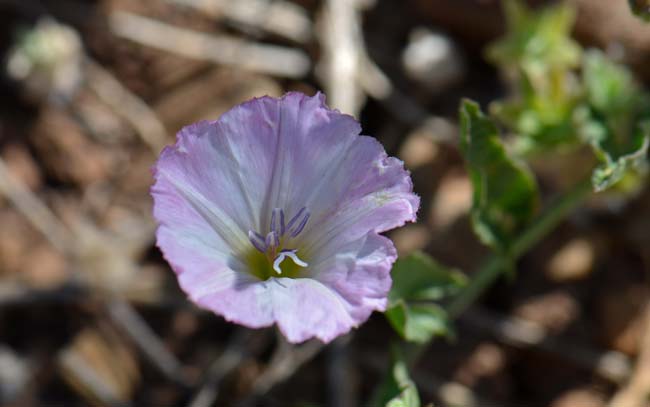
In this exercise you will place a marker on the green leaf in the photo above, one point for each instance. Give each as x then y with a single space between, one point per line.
505 193
538 55
536 41
418 280
541 114
615 120
397 389
418 322
611 172
641 8
419 277
611 88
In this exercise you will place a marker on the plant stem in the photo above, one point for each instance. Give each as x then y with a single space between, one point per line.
541 227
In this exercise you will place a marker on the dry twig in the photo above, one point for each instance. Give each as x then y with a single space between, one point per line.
342 55
127 318
71 245
220 368
270 59
127 105
349 73
286 360
278 17
87 377
34 210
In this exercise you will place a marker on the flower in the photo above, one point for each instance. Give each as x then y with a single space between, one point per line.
272 214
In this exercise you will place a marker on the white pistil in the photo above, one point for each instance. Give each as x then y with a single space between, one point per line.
284 254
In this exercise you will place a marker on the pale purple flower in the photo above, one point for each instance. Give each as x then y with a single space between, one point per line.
272 214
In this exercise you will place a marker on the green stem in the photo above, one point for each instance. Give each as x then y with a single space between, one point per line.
542 226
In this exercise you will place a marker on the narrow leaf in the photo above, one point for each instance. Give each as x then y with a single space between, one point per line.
505 193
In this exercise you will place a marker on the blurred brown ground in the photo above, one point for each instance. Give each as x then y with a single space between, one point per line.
72 307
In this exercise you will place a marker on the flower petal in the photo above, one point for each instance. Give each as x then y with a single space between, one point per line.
225 180
310 140
174 195
349 288
236 296
371 192
360 274
303 308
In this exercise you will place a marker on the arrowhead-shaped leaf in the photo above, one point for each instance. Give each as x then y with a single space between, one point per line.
505 193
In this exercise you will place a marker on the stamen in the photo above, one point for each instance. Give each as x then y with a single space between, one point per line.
281 222
296 217
272 240
277 216
271 244
284 254
257 241
301 226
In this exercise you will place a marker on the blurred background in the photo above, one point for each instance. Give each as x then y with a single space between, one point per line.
90 314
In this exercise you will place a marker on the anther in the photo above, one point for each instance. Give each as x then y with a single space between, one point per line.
296 217
257 241
277 221
301 225
298 222
272 240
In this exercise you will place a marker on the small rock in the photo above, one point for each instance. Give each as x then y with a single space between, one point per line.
432 59
418 150
554 310
579 398
14 375
100 366
486 360
455 394
452 200
574 261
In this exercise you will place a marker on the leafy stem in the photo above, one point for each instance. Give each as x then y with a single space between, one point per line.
536 231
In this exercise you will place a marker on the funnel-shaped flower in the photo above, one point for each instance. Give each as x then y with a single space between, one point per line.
272 214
